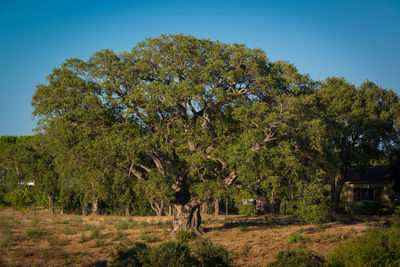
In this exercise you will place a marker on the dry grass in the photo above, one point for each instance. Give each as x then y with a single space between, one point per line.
60 240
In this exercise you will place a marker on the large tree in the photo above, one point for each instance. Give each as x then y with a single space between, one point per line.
169 103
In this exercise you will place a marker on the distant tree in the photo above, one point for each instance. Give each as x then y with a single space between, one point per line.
360 120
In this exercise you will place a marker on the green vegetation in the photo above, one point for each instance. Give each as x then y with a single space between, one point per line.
243 228
211 254
179 122
205 253
298 257
375 248
183 237
296 238
36 234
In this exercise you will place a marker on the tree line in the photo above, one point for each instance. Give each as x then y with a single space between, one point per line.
180 121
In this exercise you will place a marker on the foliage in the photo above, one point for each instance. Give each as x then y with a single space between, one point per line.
211 254
135 256
297 257
243 228
361 124
19 199
375 248
205 253
371 208
183 237
312 205
295 238
171 254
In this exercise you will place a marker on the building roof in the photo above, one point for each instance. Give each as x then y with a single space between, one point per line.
376 174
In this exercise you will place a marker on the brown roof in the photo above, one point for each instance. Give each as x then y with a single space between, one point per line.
380 174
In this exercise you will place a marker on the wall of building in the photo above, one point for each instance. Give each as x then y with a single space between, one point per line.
385 190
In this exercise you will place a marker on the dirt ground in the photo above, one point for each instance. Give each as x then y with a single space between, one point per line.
42 239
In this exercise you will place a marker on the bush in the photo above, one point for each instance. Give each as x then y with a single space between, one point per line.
183 236
297 257
171 254
19 199
136 256
376 248
98 264
243 228
295 238
210 254
371 208
312 206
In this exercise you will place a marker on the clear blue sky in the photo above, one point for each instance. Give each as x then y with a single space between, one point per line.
358 40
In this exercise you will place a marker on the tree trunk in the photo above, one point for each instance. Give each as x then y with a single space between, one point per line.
127 211
51 204
336 190
187 217
95 207
216 207
85 210
169 210
157 208
226 207
204 208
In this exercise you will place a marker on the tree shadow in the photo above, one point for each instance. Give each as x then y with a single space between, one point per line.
256 222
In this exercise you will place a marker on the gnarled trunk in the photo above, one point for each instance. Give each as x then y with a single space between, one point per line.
187 217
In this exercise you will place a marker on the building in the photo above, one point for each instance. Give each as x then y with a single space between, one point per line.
370 184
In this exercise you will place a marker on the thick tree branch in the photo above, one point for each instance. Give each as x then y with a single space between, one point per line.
135 172
158 163
230 179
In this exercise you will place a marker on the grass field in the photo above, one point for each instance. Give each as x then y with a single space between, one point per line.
43 239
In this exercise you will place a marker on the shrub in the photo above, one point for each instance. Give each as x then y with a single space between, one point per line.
376 248
35 234
136 256
243 228
183 236
295 238
312 206
210 254
19 199
297 257
35 221
98 264
171 254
